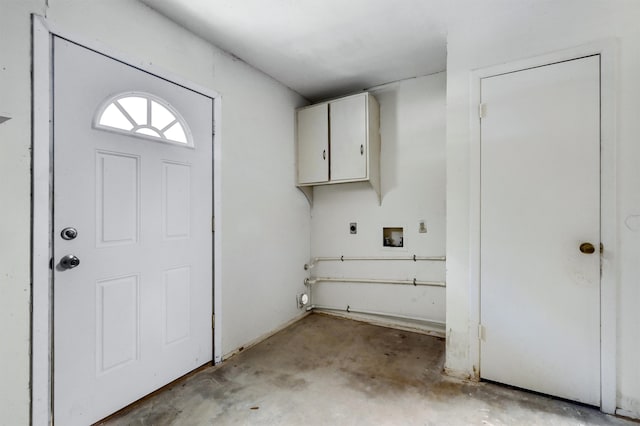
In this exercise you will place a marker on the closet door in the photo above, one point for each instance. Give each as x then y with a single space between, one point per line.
540 229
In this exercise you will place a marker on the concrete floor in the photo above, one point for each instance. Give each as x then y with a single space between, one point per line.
330 371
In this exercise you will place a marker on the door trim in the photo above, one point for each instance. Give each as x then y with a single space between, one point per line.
43 30
608 51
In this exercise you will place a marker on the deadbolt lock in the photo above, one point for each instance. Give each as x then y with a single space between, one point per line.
69 233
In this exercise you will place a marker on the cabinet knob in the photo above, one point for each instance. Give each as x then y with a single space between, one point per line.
361 149
587 248
324 154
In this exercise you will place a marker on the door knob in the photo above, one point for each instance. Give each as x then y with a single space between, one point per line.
69 261
587 248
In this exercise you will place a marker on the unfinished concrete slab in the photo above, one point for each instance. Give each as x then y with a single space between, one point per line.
325 370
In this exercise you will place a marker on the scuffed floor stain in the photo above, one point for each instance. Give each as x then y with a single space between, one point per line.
331 371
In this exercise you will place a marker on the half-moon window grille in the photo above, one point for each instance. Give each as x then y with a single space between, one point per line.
143 115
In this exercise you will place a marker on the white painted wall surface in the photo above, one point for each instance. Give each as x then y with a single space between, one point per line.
15 208
265 232
412 127
501 31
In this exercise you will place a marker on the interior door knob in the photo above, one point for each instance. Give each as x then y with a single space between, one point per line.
69 261
587 248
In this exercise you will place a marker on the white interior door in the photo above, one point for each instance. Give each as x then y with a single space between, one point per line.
540 201
136 185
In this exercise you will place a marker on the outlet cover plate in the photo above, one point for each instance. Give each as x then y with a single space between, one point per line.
353 228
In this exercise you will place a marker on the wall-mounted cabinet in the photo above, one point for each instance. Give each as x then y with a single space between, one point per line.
339 141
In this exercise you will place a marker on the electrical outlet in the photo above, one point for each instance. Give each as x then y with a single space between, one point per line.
353 228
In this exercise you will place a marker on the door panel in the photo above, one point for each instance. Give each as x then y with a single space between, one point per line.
348 138
117 198
540 200
313 144
135 314
176 202
117 322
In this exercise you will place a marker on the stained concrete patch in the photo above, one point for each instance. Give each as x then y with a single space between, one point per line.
331 371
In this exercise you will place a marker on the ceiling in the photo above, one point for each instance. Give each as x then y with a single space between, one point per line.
322 48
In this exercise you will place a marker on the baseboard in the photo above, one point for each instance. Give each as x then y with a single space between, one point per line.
621 412
424 328
262 337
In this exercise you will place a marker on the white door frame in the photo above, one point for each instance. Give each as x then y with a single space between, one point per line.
42 185
608 51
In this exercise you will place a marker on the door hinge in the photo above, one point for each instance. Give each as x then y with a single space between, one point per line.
213 224
482 110
213 321
481 332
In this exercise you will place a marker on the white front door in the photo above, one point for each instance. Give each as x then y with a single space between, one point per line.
133 178
540 203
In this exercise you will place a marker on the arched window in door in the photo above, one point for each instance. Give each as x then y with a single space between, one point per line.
143 115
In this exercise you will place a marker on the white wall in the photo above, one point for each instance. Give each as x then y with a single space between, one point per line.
499 31
15 210
412 127
265 219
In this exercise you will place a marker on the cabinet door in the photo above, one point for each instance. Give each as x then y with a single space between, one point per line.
313 144
348 118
